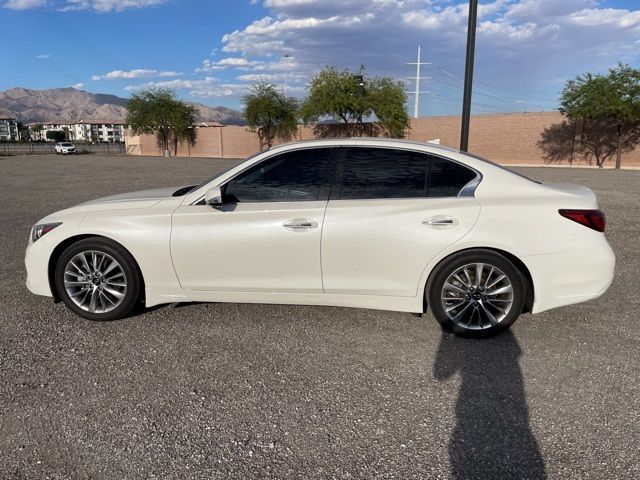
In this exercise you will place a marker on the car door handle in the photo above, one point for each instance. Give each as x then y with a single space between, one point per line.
441 221
300 224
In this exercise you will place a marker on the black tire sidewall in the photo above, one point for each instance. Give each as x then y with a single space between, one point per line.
447 266
126 261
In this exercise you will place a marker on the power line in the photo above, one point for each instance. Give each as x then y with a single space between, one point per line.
511 101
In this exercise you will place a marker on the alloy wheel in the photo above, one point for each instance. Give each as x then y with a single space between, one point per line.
477 296
95 281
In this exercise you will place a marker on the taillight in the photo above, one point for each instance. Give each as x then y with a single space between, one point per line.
589 218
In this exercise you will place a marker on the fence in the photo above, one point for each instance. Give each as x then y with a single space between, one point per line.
38 148
511 139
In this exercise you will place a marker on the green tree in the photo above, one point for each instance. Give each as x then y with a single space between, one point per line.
157 111
56 135
23 132
270 114
612 101
37 130
183 130
349 98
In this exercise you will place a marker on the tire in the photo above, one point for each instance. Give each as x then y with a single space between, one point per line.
471 308
106 285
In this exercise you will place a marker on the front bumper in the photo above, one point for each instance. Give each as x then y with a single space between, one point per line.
36 261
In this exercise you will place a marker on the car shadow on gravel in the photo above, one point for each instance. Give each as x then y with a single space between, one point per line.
492 438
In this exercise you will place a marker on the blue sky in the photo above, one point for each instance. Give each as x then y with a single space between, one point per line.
210 50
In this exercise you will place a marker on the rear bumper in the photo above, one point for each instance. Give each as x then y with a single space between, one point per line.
583 272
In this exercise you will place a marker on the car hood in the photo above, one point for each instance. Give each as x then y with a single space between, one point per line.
123 201
143 197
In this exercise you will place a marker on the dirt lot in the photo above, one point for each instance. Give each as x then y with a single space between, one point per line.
260 391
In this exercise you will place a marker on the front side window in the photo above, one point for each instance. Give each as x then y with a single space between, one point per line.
371 173
289 177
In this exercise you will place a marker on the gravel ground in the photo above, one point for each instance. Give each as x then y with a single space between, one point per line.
268 391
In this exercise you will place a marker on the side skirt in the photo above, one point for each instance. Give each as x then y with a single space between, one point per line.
400 304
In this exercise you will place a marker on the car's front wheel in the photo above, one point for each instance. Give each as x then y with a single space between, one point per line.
98 279
476 293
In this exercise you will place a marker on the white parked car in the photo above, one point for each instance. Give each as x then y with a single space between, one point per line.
382 224
65 148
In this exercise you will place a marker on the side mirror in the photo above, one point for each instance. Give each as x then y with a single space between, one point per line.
213 197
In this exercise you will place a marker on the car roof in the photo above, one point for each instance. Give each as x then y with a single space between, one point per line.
471 160
367 141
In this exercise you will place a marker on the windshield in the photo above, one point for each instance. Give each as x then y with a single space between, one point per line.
67 144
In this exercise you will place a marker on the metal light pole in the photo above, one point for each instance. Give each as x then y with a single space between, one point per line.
286 68
468 75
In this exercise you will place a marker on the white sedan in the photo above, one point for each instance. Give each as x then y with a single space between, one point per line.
65 148
382 224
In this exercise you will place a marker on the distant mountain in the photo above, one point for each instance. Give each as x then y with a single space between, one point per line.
70 105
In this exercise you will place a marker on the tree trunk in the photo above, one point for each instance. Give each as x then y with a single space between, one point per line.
619 148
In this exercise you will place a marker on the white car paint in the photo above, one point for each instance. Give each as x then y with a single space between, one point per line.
65 148
360 253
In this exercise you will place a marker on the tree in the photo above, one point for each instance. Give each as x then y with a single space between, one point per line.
24 133
350 97
182 120
594 140
270 114
37 129
610 102
157 111
56 135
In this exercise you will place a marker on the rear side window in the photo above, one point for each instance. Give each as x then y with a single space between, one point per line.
446 178
387 173
289 177
383 173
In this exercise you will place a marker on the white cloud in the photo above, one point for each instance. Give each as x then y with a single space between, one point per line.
105 6
43 56
24 4
208 87
78 86
520 43
226 63
615 18
136 73
100 6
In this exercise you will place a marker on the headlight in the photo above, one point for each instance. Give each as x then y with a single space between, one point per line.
39 230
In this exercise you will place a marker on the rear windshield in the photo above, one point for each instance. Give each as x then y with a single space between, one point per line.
501 167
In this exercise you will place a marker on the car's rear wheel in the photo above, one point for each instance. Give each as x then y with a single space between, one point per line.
476 293
98 279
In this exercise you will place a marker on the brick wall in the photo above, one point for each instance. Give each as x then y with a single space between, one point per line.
505 138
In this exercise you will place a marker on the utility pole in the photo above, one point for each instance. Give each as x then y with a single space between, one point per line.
468 75
416 100
286 67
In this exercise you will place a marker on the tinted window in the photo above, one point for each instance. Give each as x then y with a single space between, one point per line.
383 173
446 178
388 173
289 177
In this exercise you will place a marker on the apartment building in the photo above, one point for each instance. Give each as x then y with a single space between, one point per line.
111 132
85 130
38 131
9 129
